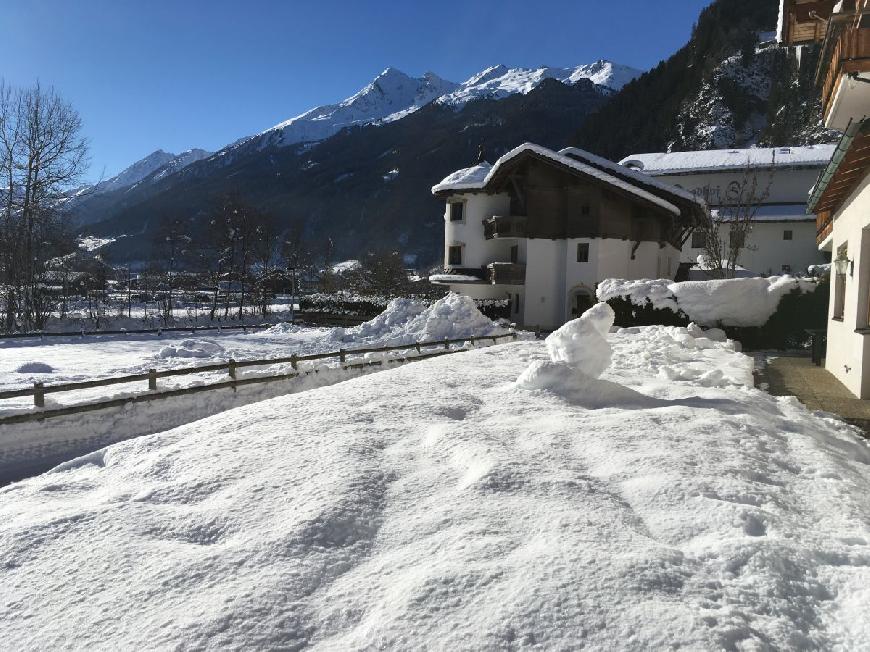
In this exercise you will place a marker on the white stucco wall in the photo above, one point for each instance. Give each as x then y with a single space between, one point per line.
848 356
767 251
553 273
476 249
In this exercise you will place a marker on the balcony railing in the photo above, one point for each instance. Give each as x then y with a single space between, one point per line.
504 226
506 273
824 225
848 51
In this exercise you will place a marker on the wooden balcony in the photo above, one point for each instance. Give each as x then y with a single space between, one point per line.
505 226
846 51
824 225
506 273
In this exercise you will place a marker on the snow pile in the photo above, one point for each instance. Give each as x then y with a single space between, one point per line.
730 302
34 368
406 321
447 509
190 349
579 354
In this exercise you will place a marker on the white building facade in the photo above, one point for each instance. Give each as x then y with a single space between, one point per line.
543 228
782 238
841 196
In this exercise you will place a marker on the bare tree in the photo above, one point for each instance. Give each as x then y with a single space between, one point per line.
42 153
727 231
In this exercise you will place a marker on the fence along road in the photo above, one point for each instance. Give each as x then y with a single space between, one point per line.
39 390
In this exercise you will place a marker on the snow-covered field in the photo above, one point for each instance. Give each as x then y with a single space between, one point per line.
58 360
445 505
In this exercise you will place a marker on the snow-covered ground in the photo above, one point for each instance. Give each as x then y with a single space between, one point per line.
72 359
444 505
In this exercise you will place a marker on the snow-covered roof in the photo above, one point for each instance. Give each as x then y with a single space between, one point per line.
451 183
728 159
465 179
622 171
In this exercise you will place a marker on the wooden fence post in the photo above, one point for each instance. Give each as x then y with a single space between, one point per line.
341 355
231 367
294 362
417 345
514 334
447 343
39 395
472 341
152 379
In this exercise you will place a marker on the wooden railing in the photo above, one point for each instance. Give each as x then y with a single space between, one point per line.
506 273
504 226
824 225
850 53
231 367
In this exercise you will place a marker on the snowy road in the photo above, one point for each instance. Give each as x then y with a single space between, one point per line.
440 505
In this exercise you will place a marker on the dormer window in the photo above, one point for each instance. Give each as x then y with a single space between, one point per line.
457 211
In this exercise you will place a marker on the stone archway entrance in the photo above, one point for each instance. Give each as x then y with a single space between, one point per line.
580 299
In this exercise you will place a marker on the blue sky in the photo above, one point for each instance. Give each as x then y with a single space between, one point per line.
176 74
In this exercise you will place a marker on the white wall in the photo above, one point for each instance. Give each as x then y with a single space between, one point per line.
848 356
476 249
766 251
787 185
553 273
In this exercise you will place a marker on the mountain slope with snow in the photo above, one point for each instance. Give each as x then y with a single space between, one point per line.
391 92
500 81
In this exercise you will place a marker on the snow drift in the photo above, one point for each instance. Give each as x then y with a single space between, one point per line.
406 321
731 302
447 508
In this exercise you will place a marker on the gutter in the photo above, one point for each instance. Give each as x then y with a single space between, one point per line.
833 166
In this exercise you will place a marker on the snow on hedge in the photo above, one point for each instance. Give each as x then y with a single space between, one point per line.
730 302
438 505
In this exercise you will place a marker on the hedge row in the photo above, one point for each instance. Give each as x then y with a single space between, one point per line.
786 329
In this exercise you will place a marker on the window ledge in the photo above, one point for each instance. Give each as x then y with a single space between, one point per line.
863 330
839 319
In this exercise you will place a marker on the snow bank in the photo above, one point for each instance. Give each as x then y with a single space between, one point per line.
731 302
406 321
448 509
34 368
190 349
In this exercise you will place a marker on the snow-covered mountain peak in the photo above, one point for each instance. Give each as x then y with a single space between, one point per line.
497 82
389 95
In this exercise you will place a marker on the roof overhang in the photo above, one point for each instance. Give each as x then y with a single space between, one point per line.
849 165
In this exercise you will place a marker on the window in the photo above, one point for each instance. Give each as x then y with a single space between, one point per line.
454 255
457 211
516 304
840 285
787 235
515 254
737 239
582 252
698 240
786 269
